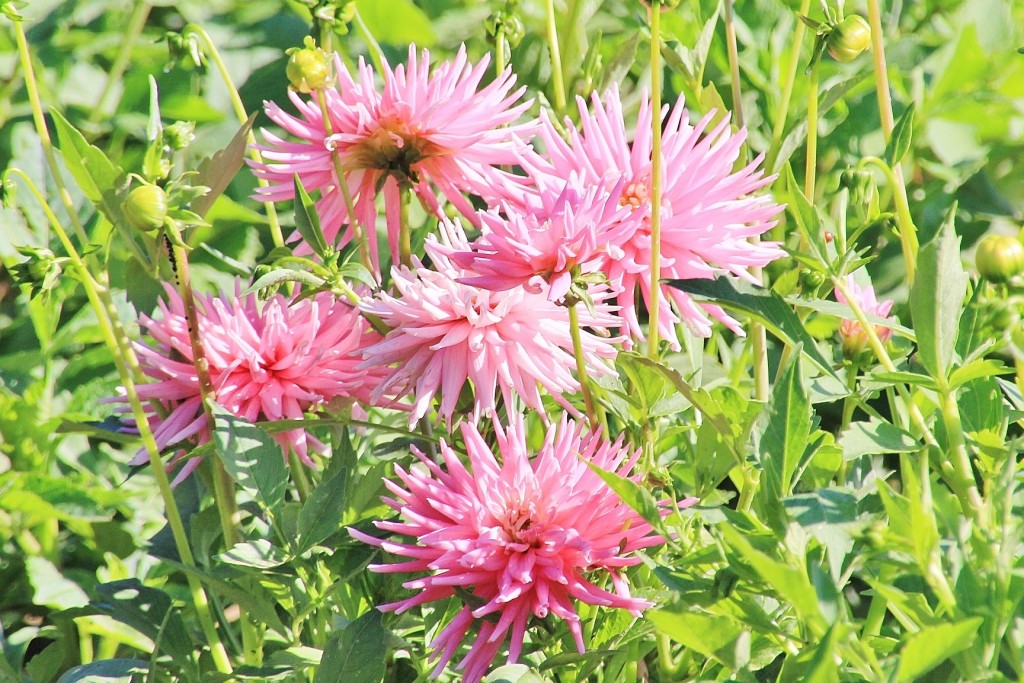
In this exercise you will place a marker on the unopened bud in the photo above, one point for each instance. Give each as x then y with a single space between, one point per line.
849 38
308 67
999 258
146 207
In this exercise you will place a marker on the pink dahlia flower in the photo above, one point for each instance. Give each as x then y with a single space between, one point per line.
852 333
566 228
522 538
422 130
269 361
447 332
708 211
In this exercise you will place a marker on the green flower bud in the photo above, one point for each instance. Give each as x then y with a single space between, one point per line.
308 67
146 207
999 258
849 38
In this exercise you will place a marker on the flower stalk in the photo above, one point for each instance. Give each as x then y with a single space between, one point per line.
654 305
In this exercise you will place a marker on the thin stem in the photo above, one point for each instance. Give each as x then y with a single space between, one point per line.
339 172
298 472
556 58
242 116
758 335
787 89
581 366
376 53
124 55
32 89
811 164
734 63
654 304
961 475
908 234
905 221
121 353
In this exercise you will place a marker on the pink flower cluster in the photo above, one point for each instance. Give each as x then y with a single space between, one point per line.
524 538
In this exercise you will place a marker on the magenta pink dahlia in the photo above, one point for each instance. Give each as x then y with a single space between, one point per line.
421 130
524 538
708 211
268 361
447 332
563 229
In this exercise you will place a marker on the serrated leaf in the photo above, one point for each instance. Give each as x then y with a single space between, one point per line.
307 220
107 671
357 654
715 636
217 171
936 300
765 306
321 514
924 650
259 554
876 437
251 457
97 177
633 495
902 136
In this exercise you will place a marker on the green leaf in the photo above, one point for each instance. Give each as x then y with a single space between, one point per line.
321 514
513 673
806 216
979 368
252 458
902 135
924 650
51 588
107 671
398 22
936 300
216 172
97 177
260 554
719 637
357 654
633 495
766 307
282 275
787 428
150 612
307 221
876 437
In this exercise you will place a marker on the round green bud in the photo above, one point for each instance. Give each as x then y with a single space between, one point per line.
999 258
146 207
849 38
308 67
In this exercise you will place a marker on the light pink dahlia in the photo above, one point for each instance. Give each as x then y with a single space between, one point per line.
708 211
524 538
268 361
852 333
563 228
424 130
447 332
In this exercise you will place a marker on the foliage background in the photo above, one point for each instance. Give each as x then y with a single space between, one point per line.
758 595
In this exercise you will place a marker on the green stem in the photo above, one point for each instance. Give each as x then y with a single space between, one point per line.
654 304
242 116
350 209
556 58
960 474
124 55
908 235
787 89
905 221
811 165
31 86
376 53
758 335
298 472
500 45
581 366
121 353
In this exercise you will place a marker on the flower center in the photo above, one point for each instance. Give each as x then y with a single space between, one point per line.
393 149
635 195
518 521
